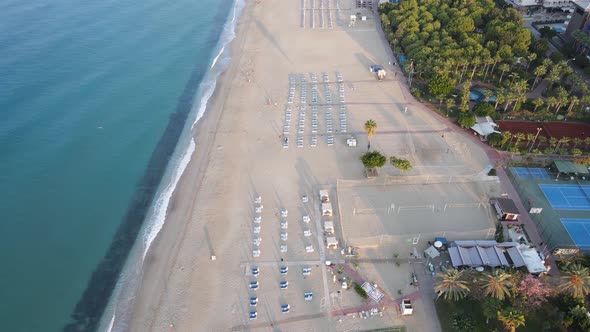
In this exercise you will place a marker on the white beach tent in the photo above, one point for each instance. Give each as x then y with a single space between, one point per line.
331 242
326 209
329 226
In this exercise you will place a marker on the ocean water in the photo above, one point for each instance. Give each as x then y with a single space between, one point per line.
93 99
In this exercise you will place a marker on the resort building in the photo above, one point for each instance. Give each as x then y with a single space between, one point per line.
505 209
479 254
484 126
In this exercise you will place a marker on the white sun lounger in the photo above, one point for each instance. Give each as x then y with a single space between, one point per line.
283 248
309 248
257 219
256 253
256 229
259 208
306 271
284 213
307 233
284 236
306 219
284 225
257 241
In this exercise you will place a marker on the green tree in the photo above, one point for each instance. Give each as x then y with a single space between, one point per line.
561 96
483 108
575 280
503 68
519 138
497 284
547 32
373 159
440 86
462 323
577 317
495 139
500 97
466 120
464 106
511 319
450 102
540 70
403 165
370 128
537 102
451 285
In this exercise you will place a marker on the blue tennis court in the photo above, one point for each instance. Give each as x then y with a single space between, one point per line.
567 196
530 173
579 231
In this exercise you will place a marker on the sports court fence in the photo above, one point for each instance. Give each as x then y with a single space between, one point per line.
548 222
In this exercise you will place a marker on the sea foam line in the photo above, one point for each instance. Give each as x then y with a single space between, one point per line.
157 215
206 88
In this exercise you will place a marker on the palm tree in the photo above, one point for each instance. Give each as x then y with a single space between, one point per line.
539 71
487 93
450 102
514 76
500 97
519 137
562 96
562 141
506 137
370 128
531 57
553 142
537 102
541 141
511 319
497 284
575 279
503 68
551 101
530 137
451 285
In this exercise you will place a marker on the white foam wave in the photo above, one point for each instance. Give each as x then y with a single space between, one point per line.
111 324
157 215
206 90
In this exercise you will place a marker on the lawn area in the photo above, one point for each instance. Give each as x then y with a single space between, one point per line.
470 308
535 321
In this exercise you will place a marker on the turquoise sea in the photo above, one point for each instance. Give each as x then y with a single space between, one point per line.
94 96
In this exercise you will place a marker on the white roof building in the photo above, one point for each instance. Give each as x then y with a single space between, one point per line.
494 254
485 125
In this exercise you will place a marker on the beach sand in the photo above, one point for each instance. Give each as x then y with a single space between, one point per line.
239 155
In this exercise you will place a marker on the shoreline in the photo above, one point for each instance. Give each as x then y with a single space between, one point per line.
160 257
240 155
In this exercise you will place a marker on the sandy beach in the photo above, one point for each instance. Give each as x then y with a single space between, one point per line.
240 155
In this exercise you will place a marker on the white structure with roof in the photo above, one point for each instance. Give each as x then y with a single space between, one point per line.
485 125
494 254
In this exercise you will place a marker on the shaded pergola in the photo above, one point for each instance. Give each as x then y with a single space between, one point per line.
570 168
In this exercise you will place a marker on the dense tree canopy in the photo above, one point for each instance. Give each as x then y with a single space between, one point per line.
373 159
443 37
